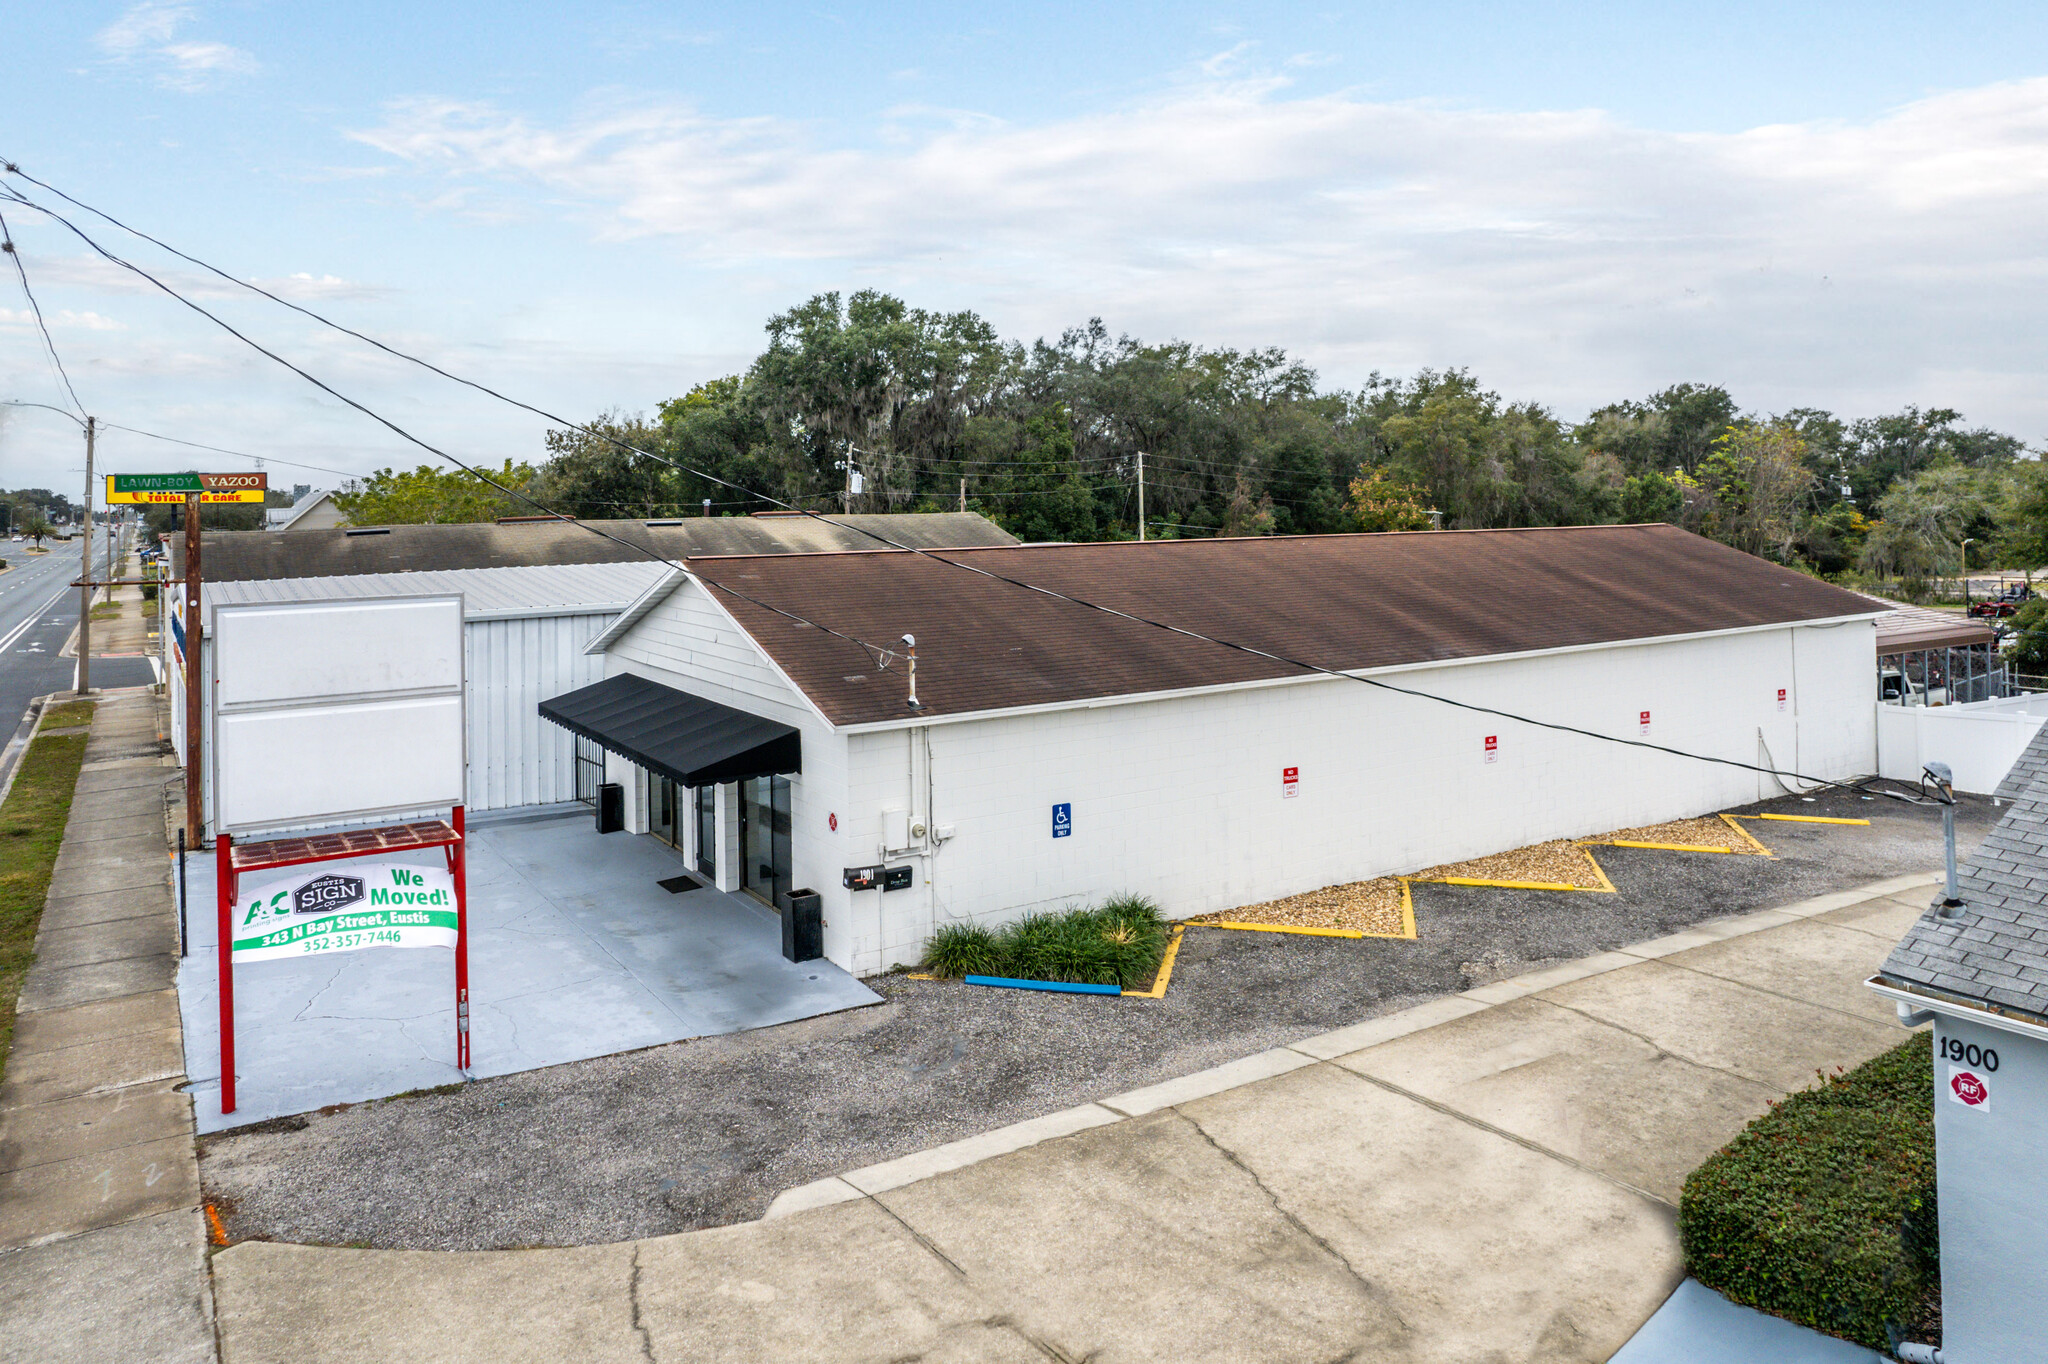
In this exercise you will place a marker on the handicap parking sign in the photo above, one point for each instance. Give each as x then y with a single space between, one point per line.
1062 821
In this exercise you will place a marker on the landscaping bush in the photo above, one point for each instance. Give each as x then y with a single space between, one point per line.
963 950
1117 943
1823 1210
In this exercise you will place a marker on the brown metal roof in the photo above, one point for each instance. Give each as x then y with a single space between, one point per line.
1916 627
262 555
1340 601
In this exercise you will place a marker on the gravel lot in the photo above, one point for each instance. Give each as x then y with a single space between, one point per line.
706 1132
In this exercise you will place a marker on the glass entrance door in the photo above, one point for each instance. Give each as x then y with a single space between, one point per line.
705 798
765 838
661 809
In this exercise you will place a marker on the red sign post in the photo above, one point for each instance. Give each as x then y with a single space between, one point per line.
231 861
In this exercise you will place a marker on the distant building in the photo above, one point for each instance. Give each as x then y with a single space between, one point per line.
308 511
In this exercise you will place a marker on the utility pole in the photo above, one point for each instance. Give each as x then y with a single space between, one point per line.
195 820
85 578
1141 497
963 494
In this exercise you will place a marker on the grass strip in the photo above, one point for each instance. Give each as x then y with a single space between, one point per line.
1823 1210
67 714
1117 943
31 830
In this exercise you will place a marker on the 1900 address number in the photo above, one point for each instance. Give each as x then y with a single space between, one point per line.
1973 1056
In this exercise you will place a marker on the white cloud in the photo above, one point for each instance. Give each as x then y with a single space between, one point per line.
66 318
303 284
144 34
1566 255
142 26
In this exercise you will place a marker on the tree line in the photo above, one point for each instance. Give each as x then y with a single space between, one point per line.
867 404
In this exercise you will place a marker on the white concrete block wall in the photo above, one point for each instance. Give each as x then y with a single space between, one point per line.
1181 798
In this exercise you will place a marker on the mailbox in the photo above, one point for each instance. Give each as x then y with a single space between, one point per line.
896 878
861 878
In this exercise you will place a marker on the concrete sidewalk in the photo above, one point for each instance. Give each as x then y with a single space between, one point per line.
1490 1176
102 1251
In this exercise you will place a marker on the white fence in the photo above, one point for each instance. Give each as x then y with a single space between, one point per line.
1979 741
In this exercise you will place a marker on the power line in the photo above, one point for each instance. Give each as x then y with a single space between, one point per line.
238 454
7 245
880 654
1084 603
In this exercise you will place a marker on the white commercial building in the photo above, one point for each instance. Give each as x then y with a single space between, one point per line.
535 594
757 712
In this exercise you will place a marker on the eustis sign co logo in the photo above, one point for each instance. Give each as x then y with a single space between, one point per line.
323 894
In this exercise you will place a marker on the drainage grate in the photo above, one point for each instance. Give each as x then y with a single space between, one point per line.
676 885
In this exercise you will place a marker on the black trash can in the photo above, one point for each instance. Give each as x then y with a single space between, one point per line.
803 926
611 807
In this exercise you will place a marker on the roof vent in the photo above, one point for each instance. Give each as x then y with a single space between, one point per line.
676 522
367 530
766 515
522 520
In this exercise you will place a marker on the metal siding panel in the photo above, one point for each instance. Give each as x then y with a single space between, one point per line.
517 757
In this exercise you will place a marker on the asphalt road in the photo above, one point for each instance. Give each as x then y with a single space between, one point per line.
707 1132
38 611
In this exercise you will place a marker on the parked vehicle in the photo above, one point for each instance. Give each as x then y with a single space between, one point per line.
2005 603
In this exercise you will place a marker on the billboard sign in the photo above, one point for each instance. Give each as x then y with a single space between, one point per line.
331 712
380 905
132 489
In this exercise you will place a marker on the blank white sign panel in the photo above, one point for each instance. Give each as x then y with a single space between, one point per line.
287 652
308 764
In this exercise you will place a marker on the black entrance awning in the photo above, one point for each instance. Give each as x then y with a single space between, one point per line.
694 741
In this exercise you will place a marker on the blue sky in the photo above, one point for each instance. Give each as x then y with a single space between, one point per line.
1831 206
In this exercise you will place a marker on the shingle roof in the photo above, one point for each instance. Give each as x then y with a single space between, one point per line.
1996 954
2028 768
1339 601
254 556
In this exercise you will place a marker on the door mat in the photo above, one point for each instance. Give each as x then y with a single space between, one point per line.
676 885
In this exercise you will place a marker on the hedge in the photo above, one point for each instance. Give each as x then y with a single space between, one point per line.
1118 943
1823 1210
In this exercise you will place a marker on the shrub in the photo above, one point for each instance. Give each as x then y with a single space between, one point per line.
1118 943
962 950
1823 1210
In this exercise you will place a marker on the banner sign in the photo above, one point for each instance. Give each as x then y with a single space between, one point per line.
152 488
375 905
